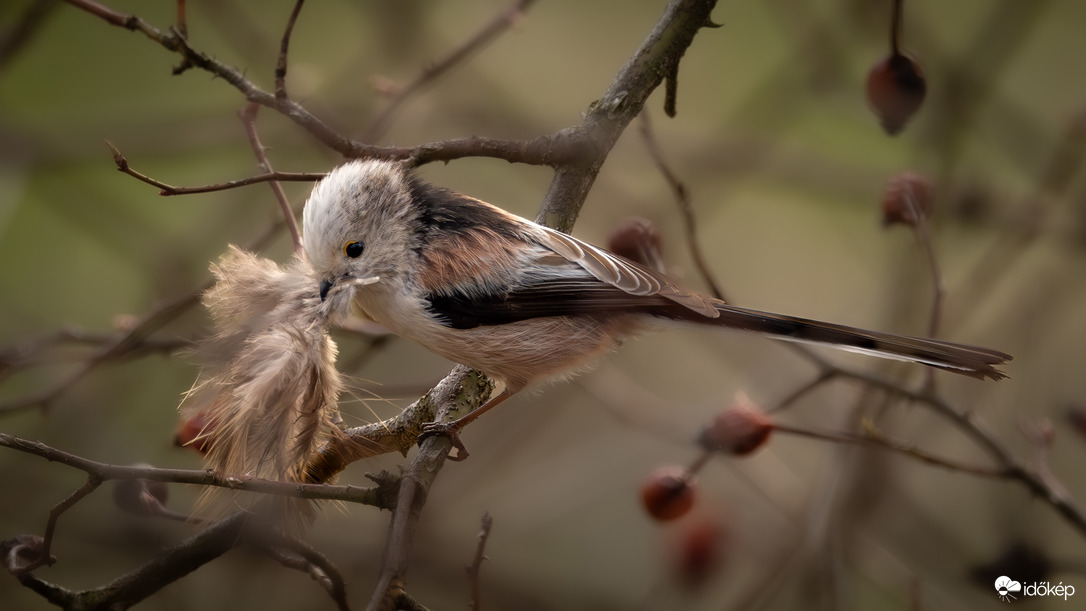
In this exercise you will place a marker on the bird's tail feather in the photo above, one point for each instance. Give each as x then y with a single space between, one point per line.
972 361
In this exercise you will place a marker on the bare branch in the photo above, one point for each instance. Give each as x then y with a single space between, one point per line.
46 558
298 555
204 477
459 393
487 34
682 199
877 439
15 37
923 235
564 146
248 118
477 562
165 189
167 567
623 100
132 339
284 45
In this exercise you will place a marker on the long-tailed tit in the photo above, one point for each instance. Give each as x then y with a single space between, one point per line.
518 301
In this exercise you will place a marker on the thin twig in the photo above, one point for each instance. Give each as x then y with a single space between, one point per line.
973 428
298 555
182 19
127 341
166 190
623 100
182 29
475 568
502 22
284 45
248 119
121 344
895 27
671 91
14 38
874 438
824 376
46 558
459 393
923 235
686 209
561 147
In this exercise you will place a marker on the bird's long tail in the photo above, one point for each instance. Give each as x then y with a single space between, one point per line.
972 361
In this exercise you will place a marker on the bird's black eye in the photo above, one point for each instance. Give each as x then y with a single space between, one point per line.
353 249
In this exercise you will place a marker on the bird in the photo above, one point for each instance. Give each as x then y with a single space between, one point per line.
521 302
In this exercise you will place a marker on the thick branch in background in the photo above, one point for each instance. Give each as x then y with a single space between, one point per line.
608 117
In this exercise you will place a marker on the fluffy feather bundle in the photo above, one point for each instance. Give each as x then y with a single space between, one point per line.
268 385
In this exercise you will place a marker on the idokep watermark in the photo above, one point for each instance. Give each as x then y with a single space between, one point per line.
1007 588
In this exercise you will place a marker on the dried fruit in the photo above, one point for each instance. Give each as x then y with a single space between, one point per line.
1076 417
140 497
637 239
698 547
907 195
194 433
668 493
738 430
895 90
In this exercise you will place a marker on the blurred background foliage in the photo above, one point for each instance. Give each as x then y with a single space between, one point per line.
785 166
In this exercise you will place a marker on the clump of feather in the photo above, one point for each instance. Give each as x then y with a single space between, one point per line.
268 385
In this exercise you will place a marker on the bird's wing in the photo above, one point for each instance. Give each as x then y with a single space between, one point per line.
623 274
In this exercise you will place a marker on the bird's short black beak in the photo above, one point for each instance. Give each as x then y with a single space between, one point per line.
326 285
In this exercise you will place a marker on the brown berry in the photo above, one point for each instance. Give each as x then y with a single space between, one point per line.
637 239
668 493
140 497
699 544
895 90
907 195
738 430
1076 417
194 433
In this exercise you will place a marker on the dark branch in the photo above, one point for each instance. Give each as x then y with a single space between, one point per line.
248 119
623 100
203 477
682 199
284 46
475 568
165 189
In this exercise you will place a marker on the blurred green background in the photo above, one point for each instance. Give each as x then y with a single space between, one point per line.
785 166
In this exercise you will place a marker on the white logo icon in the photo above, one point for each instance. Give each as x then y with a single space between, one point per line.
1005 586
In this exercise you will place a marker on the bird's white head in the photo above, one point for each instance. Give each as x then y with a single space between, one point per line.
356 227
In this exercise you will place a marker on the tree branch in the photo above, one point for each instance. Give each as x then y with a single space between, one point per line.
489 32
202 477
